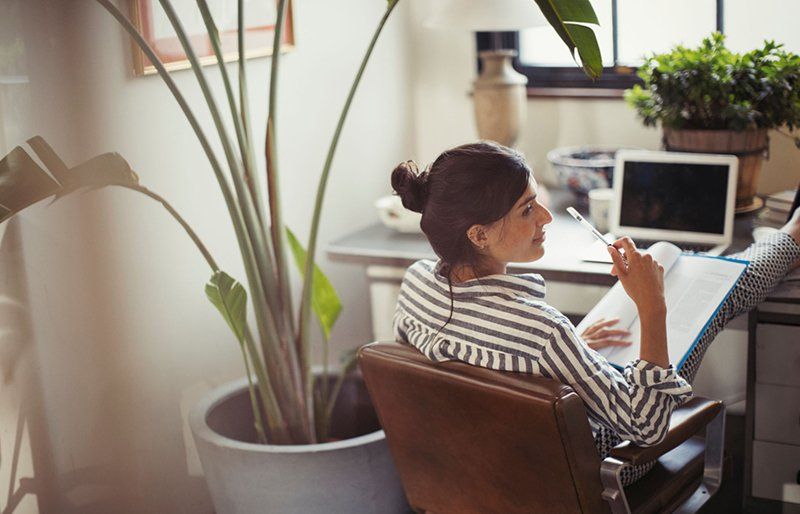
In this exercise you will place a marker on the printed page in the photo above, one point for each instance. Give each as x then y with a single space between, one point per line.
694 287
617 304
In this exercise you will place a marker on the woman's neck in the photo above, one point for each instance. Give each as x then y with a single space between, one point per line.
464 272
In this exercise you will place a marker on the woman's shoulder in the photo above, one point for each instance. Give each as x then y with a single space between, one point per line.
426 265
422 269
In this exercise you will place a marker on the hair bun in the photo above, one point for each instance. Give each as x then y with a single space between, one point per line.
410 185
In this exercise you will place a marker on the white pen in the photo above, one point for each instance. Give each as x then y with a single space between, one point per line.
575 214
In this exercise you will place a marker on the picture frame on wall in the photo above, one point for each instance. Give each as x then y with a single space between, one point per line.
260 17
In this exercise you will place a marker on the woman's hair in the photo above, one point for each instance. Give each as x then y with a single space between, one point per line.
476 183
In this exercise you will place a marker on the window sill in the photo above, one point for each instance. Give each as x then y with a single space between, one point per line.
575 92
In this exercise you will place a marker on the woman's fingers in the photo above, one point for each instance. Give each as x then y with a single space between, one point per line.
602 323
620 268
591 329
605 332
605 343
625 243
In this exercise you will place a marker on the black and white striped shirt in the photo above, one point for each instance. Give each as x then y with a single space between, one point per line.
502 322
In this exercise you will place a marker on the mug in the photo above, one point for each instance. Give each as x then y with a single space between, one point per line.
600 207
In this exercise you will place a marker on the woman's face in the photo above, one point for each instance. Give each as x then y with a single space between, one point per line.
519 236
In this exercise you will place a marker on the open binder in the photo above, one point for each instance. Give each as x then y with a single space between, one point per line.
695 286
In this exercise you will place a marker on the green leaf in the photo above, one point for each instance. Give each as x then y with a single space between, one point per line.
23 182
324 300
569 18
107 169
230 299
49 158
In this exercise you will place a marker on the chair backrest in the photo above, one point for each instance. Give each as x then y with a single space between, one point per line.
472 440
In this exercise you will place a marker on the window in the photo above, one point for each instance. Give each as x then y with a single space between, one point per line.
630 29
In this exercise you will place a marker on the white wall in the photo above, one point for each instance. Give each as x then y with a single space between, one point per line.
118 336
445 68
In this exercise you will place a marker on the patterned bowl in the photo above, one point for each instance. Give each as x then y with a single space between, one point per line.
583 168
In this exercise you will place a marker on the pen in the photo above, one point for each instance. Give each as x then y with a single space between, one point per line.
575 214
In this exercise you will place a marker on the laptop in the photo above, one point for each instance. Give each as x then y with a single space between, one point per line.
685 198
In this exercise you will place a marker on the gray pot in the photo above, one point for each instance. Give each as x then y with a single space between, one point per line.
350 476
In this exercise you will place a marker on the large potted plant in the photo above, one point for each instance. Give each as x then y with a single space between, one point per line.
709 99
267 443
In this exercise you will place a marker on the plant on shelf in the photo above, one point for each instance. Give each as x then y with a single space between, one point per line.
711 99
287 406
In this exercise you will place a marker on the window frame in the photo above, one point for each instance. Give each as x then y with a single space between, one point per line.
570 81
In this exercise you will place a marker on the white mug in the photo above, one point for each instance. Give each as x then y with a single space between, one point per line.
600 207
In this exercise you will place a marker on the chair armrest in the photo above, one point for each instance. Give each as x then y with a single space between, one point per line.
686 421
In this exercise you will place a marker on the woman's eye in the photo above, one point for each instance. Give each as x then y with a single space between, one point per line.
527 210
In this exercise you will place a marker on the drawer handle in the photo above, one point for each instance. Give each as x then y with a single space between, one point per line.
797 478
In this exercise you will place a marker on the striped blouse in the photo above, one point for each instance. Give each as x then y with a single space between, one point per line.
502 322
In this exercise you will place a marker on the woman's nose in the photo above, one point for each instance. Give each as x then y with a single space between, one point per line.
546 216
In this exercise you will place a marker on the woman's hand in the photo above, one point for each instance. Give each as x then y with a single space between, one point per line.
643 280
599 334
640 274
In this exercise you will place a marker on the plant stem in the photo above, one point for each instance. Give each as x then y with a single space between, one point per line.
200 246
298 364
260 304
258 422
271 312
244 143
308 274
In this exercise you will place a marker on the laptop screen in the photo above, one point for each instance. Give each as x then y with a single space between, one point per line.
674 196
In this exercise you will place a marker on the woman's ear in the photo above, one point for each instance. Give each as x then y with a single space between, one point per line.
478 236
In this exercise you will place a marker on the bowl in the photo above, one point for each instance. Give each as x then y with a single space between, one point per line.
394 215
583 168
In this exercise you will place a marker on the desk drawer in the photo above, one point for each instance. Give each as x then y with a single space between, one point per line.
775 471
778 414
778 354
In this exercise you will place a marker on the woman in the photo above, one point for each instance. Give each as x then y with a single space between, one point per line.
480 211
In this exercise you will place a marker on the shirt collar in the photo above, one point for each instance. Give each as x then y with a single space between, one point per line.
525 285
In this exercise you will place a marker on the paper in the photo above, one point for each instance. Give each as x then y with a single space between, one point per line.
596 252
694 288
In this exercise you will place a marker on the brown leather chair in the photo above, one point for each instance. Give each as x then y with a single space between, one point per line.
472 440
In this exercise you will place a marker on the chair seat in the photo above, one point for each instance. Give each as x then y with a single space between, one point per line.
673 479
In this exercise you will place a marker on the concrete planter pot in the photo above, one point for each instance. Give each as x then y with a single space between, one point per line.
350 476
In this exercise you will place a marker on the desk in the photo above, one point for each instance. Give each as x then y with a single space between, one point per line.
772 421
573 286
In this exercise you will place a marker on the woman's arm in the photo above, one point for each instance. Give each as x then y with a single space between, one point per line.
636 403
642 277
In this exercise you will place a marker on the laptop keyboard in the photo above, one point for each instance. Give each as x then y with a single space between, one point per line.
686 247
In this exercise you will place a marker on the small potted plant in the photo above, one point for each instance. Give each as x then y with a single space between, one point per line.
709 99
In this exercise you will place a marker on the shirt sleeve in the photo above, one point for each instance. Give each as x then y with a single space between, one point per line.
636 403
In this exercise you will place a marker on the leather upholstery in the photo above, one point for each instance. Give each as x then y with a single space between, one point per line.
671 481
472 440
